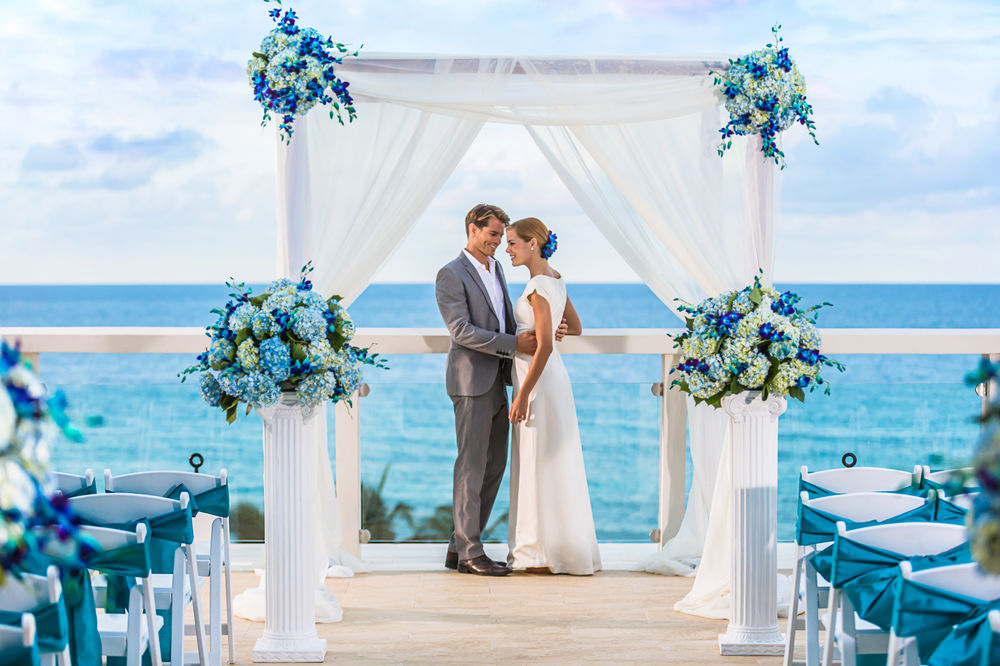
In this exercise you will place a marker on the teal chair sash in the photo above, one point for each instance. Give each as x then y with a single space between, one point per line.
214 501
818 491
866 575
52 627
951 628
78 598
167 532
20 656
85 490
814 526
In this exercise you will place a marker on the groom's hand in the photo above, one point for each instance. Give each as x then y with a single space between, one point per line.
526 343
562 330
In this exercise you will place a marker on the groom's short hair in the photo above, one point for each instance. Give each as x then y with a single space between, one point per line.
481 214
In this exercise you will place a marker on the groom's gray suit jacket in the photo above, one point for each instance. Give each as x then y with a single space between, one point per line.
479 349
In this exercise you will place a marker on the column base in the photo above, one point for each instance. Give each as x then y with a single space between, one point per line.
752 641
289 650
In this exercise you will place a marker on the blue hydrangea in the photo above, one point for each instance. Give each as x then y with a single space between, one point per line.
755 372
279 285
259 389
717 368
316 388
808 335
281 301
210 389
742 303
229 380
703 386
782 350
263 325
309 324
312 299
220 353
247 355
276 359
321 354
242 316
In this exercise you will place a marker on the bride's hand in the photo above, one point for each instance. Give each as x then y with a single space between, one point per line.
519 409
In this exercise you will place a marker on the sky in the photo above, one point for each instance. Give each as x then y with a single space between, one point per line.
132 150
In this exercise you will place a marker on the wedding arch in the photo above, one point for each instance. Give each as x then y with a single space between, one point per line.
633 139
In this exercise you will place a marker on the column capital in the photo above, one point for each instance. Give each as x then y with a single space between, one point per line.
750 404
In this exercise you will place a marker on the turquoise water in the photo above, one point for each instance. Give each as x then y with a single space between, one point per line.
888 410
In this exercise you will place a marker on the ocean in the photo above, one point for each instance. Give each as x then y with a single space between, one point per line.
888 410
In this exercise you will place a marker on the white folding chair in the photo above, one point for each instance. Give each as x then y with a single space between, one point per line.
14 640
841 480
855 507
71 485
848 632
944 476
173 590
129 634
212 534
965 579
27 594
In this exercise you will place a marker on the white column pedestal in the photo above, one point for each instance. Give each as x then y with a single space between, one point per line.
289 537
753 625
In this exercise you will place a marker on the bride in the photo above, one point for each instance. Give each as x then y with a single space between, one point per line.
551 527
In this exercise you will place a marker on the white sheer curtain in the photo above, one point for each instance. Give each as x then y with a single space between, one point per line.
632 138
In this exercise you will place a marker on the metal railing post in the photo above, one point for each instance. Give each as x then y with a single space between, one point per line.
673 453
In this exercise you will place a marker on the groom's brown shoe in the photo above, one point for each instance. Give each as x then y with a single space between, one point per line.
482 566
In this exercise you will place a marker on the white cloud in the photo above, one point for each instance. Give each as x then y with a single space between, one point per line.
904 104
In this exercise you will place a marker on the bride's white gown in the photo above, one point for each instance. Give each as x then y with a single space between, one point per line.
551 524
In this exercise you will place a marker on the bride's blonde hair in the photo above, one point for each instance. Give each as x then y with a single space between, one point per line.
532 228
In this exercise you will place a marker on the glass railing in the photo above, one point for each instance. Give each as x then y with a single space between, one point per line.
892 411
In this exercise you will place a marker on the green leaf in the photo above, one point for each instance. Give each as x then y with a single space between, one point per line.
756 296
258 300
231 414
243 335
298 351
797 393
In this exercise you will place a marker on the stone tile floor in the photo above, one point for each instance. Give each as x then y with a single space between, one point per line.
442 617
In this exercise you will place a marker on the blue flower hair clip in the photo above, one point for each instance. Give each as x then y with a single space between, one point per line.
550 246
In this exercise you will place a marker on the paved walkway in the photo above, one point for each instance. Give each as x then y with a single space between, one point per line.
421 617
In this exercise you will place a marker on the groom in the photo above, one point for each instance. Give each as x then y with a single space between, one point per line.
472 296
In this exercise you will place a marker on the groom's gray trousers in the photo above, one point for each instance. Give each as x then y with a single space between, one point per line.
481 425
479 362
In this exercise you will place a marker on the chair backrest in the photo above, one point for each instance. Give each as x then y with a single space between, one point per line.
864 506
860 479
908 539
943 476
30 591
22 636
995 621
110 538
964 500
124 507
161 482
67 483
965 579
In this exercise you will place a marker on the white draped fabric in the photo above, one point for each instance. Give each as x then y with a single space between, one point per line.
633 139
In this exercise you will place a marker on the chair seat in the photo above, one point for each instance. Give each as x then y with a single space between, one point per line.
162 589
113 628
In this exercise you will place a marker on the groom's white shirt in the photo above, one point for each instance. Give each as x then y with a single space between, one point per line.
491 280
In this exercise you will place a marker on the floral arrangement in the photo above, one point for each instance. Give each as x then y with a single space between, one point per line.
294 68
551 243
754 339
32 520
287 338
765 94
984 518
